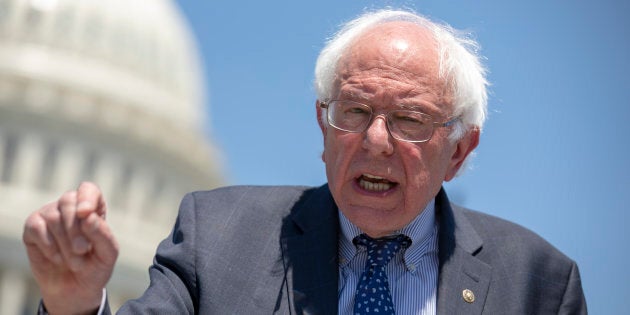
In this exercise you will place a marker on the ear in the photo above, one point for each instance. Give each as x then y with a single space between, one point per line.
322 126
321 123
463 148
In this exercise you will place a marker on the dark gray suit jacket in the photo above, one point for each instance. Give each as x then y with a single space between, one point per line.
263 250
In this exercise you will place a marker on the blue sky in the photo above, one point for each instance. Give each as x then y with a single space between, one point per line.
554 153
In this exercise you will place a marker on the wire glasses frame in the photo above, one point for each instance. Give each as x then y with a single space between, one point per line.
402 124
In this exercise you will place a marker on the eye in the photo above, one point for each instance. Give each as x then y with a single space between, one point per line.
356 110
411 119
408 118
353 109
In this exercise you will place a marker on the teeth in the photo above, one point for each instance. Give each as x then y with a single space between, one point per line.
382 185
373 176
374 186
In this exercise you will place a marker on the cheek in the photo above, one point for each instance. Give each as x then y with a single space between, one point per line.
422 168
413 157
329 145
417 176
423 178
338 154
337 145
333 155
330 149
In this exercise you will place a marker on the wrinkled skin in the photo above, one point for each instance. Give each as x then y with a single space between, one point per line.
390 65
71 250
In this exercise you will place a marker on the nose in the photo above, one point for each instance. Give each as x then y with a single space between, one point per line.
377 139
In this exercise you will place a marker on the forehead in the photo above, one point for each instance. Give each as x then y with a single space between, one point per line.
402 45
394 60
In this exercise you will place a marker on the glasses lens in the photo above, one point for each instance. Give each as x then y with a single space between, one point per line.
403 125
410 125
349 116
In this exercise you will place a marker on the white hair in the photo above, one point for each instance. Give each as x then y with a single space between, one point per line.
460 64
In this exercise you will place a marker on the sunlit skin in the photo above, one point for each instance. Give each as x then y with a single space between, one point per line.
392 65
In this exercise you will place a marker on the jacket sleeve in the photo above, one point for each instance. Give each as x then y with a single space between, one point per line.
573 301
173 287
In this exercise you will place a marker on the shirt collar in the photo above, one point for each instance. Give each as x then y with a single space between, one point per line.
422 231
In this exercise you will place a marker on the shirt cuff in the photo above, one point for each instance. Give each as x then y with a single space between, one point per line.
103 300
41 310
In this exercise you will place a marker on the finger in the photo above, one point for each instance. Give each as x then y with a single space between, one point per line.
104 245
90 199
56 227
67 206
39 242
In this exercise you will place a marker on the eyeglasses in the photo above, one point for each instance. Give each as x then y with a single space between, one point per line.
404 125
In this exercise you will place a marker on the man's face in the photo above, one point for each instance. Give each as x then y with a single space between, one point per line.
380 183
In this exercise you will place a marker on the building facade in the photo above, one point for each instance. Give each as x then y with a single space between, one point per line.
105 91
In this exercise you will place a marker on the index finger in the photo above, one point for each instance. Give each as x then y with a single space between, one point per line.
90 199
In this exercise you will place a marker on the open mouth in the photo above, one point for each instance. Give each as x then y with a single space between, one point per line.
375 183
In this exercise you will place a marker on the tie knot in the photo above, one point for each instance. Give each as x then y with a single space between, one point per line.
382 250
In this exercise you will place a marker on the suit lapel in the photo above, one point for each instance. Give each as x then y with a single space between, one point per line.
309 242
309 252
463 278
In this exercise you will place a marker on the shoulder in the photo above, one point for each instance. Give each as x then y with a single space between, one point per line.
521 263
514 246
236 211
231 201
499 232
249 193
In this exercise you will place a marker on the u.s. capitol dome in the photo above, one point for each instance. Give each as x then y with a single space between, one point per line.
105 91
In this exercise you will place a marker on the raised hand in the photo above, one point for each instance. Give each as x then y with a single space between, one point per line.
71 250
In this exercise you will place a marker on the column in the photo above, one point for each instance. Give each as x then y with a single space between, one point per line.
69 164
12 292
28 160
107 168
3 140
137 198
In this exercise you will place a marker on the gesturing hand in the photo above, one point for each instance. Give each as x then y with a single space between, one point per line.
71 250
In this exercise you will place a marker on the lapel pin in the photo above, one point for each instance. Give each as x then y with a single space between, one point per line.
468 296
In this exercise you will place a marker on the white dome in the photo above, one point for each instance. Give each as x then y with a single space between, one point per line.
107 91
137 52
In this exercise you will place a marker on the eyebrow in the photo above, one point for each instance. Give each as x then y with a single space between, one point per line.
412 107
356 97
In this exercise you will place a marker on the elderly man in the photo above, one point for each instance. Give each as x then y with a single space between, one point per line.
401 101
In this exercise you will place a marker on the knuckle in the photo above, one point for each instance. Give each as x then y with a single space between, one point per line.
51 216
115 247
34 222
88 186
115 250
68 197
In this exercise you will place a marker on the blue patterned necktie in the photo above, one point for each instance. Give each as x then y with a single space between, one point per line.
373 295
